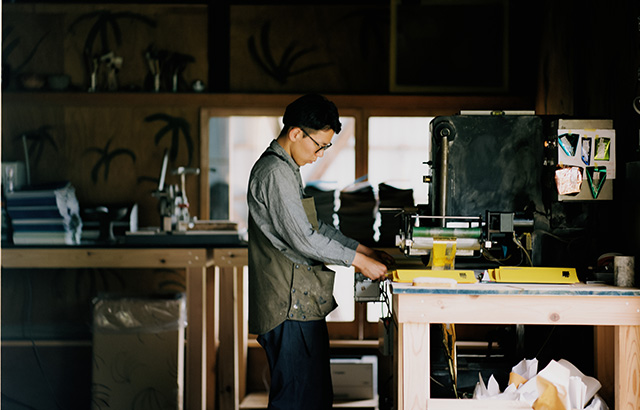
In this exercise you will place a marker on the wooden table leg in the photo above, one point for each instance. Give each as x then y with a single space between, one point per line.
413 350
213 335
196 356
228 395
604 366
242 333
627 367
233 328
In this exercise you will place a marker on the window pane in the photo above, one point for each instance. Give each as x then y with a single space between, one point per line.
376 310
219 168
236 142
343 292
337 168
398 150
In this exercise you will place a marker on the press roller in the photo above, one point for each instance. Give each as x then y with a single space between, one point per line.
465 238
417 239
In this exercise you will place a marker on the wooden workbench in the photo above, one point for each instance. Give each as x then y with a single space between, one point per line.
202 290
489 303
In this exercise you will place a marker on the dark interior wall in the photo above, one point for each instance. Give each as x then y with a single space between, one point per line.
578 58
336 48
261 47
588 68
610 52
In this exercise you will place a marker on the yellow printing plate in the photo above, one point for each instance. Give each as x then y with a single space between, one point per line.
408 275
528 274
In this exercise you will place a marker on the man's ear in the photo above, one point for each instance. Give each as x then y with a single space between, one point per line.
294 134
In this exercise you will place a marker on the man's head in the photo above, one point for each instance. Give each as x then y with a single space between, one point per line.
309 125
313 112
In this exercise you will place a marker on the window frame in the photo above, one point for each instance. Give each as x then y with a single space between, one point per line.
361 108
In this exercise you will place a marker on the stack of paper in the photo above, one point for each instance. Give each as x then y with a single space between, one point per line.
45 215
559 386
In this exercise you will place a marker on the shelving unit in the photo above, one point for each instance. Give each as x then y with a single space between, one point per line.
255 401
204 297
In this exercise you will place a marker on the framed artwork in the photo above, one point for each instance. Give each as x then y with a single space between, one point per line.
449 46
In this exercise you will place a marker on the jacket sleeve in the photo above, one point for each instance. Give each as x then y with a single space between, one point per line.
280 203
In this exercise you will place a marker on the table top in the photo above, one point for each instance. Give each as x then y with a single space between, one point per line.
201 243
493 288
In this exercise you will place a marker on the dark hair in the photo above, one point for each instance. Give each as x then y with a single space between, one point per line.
312 111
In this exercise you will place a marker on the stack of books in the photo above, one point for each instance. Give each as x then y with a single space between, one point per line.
45 215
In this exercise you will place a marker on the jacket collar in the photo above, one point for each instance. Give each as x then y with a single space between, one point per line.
276 148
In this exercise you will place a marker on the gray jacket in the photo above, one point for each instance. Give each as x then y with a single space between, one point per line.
288 247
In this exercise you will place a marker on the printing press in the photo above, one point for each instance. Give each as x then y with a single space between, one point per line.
493 188
494 194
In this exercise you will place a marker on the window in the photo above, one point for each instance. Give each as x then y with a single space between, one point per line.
236 142
398 147
384 139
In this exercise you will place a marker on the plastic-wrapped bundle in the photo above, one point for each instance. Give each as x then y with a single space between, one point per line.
357 213
325 203
390 223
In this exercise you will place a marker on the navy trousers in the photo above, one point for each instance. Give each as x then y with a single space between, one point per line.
299 362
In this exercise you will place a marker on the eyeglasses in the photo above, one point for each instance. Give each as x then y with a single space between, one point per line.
320 147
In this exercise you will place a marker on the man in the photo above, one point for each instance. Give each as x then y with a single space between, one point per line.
290 288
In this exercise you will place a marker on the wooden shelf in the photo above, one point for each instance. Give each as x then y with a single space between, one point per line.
261 399
355 344
142 99
400 104
46 343
334 344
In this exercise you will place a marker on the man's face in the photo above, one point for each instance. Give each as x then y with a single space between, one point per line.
310 145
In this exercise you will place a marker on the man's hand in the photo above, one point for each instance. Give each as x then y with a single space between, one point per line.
380 256
369 267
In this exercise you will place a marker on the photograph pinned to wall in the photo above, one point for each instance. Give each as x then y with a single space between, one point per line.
603 145
568 180
586 150
569 143
596 176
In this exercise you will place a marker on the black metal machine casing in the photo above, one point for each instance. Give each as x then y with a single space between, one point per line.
494 163
486 163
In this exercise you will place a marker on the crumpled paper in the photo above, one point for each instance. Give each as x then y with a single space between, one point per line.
559 386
